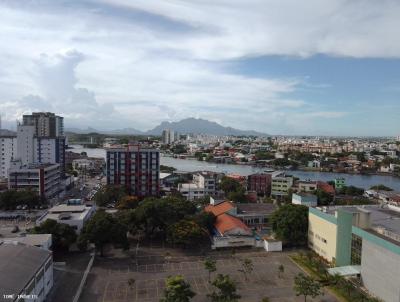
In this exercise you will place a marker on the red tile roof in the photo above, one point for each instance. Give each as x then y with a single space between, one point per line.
324 186
225 223
219 208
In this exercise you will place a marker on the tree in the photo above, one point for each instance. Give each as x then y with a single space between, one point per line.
290 224
167 169
229 184
211 266
186 232
131 282
265 299
154 214
109 194
225 290
177 290
10 199
381 188
306 286
323 197
281 270
237 196
103 229
63 235
351 190
247 267
127 202
179 149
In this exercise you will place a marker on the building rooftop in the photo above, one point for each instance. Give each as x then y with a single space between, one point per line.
255 208
384 220
220 208
226 222
18 264
66 212
31 239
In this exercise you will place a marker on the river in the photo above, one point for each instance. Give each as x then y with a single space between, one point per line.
191 165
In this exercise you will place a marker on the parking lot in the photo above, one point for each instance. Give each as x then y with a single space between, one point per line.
108 280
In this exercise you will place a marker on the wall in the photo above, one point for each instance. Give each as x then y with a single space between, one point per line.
318 230
380 271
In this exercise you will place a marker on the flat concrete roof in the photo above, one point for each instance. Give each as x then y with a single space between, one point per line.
31 239
18 264
255 208
381 216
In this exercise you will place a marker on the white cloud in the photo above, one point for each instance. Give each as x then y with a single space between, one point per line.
111 64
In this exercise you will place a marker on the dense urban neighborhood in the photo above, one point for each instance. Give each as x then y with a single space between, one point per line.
125 227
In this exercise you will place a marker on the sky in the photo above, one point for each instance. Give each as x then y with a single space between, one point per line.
279 67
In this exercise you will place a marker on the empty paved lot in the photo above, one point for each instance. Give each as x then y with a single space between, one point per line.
108 280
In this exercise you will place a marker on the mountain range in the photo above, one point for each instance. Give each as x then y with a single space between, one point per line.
188 125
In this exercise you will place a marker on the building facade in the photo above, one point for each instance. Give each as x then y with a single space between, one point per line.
135 167
259 183
280 185
366 238
42 178
8 150
46 124
169 136
207 181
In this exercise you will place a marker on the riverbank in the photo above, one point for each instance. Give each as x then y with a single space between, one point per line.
267 167
192 165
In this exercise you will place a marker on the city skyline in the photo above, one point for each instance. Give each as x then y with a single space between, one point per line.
280 68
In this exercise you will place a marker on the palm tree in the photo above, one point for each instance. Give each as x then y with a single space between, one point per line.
211 266
281 270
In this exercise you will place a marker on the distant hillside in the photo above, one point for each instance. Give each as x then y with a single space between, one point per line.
193 125
125 131
189 125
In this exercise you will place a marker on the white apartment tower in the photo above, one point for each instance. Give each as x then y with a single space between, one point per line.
25 144
169 136
8 149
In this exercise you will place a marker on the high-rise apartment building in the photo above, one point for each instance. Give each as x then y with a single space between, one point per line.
46 124
8 150
169 136
25 144
136 167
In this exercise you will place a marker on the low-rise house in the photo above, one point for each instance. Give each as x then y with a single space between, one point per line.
229 230
306 186
327 188
305 199
255 215
315 164
73 215
25 270
191 191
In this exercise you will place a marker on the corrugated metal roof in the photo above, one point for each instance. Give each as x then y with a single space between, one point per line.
18 264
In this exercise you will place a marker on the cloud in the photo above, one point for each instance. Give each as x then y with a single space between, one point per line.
58 92
116 64
286 27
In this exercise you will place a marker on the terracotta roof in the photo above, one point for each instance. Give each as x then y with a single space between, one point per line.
227 222
219 209
324 186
